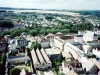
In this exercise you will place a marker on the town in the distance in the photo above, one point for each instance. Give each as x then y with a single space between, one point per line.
49 42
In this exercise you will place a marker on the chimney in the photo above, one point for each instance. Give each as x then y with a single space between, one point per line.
75 64
79 64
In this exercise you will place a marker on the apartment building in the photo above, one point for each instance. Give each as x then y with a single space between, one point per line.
79 55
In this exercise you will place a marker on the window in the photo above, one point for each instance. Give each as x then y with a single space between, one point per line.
42 63
70 68
68 65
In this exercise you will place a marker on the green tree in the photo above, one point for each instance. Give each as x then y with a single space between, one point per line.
15 71
60 57
91 56
5 33
16 33
43 32
34 25
32 32
35 45
6 24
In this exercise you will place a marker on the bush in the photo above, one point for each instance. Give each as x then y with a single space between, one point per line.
15 71
91 56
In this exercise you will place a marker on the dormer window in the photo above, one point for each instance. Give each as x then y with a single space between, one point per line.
70 68
43 64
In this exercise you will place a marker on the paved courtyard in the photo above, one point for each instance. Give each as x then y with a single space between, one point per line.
57 51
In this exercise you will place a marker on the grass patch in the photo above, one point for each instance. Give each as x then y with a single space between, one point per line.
41 72
21 68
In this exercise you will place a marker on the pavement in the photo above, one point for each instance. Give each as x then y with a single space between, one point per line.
56 50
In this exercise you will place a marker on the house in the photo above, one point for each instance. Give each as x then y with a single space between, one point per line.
93 44
18 43
96 62
87 48
21 43
40 59
96 51
72 67
45 43
79 55
18 25
78 38
88 66
90 36
60 40
49 63
75 49
17 59
8 37
30 38
35 59
23 72
39 38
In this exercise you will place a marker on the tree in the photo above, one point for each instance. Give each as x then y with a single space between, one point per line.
15 71
49 18
35 45
43 32
5 33
16 33
6 24
32 32
60 57
91 56
34 25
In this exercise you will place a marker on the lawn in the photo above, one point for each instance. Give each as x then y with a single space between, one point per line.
21 68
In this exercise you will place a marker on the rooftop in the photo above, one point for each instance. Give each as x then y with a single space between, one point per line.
90 34
34 57
71 62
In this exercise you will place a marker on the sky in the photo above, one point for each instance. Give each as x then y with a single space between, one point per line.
53 4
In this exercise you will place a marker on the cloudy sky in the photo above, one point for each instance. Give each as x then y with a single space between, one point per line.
53 4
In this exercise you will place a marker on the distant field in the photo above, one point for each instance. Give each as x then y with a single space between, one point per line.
47 11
